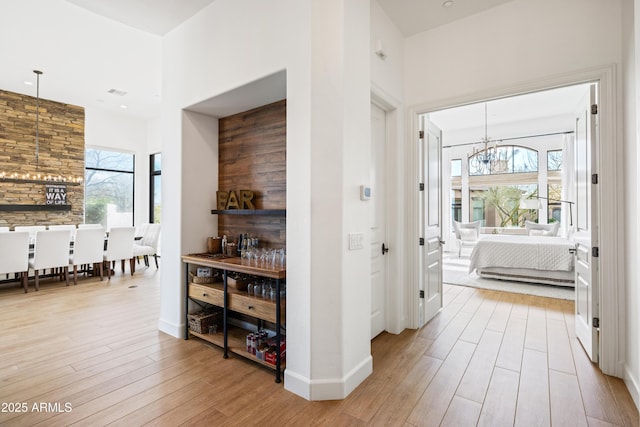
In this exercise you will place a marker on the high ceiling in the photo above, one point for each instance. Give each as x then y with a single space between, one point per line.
85 79
153 16
415 16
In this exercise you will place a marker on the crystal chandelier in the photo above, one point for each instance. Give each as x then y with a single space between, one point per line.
488 159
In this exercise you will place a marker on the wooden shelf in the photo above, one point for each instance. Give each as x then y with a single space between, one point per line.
236 344
263 212
20 208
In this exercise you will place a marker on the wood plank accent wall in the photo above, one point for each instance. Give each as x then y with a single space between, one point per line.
252 155
61 152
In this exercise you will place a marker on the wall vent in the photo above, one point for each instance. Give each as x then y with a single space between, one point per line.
117 92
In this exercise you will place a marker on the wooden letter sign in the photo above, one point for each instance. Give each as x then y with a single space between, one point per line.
229 200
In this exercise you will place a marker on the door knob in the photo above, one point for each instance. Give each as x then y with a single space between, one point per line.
384 249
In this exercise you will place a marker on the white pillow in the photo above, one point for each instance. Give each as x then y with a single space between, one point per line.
468 235
541 233
553 228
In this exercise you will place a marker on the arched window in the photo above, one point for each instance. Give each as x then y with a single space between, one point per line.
501 159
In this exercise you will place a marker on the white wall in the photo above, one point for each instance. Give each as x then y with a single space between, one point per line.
227 45
631 55
525 44
121 133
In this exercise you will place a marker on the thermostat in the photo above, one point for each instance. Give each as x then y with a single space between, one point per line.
365 192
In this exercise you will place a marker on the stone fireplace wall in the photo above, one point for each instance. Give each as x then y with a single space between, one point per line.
61 157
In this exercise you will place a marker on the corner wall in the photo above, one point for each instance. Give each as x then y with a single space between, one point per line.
230 44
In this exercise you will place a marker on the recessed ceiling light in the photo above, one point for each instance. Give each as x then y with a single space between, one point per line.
28 83
124 107
447 3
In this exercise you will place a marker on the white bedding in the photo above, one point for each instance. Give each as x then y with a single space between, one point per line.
539 259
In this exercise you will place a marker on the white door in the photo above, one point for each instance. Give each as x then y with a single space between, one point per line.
586 239
377 220
430 298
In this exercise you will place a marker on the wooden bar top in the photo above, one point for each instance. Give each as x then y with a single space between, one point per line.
236 264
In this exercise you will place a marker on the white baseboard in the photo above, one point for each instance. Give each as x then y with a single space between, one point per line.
632 386
328 389
175 330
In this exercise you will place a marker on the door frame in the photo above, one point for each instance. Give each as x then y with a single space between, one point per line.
610 226
395 300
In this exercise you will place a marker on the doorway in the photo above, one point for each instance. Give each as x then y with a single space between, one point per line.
608 159
377 220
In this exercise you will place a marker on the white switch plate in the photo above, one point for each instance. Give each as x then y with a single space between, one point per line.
356 241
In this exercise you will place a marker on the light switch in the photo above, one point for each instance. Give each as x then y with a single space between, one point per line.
356 241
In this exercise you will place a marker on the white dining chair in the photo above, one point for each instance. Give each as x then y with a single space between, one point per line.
14 254
120 247
51 250
88 248
70 227
90 226
148 244
32 229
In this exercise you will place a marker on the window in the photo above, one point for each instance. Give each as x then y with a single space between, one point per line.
155 190
456 168
554 205
109 184
554 160
499 206
506 159
456 205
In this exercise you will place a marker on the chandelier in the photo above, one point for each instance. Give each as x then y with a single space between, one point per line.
38 177
487 159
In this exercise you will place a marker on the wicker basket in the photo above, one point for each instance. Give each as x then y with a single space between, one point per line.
199 280
200 321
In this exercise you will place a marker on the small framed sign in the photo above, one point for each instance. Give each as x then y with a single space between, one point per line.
55 194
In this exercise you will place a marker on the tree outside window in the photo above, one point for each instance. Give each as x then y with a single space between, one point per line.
109 186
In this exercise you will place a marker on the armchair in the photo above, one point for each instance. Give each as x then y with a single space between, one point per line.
467 234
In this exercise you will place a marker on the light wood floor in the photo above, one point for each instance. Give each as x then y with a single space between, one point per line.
488 358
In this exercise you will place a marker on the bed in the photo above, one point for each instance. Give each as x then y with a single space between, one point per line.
534 259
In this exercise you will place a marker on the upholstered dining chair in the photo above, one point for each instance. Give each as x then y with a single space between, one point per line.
14 254
148 244
88 248
32 229
71 227
120 247
51 250
90 226
467 234
4 229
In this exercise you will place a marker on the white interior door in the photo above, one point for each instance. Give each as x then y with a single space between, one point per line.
431 218
377 220
586 238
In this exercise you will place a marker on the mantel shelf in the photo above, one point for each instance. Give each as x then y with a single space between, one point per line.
20 208
266 212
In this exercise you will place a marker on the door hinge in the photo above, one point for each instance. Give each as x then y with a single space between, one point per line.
422 186
594 178
421 134
421 242
421 293
594 109
595 252
596 322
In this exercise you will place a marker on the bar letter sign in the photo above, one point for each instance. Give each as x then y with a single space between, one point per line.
56 194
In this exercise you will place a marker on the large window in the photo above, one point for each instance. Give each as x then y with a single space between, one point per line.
499 206
155 190
109 194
